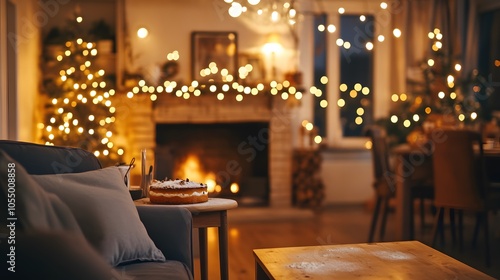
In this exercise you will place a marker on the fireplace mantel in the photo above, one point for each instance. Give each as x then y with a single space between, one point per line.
207 109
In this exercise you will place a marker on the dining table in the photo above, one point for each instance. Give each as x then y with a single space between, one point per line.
413 163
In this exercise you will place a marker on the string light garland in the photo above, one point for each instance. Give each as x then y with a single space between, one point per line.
235 87
269 11
79 112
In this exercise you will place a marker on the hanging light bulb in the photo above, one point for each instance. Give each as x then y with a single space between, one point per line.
142 32
396 32
275 16
235 10
253 2
292 14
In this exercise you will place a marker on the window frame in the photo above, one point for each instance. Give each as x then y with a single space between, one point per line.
381 78
3 70
8 72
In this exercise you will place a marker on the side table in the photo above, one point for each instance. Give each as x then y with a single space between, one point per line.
212 213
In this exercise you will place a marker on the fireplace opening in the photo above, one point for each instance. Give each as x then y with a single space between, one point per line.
231 158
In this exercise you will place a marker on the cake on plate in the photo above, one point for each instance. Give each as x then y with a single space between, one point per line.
170 191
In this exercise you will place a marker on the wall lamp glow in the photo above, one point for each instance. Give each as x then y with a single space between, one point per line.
272 46
142 32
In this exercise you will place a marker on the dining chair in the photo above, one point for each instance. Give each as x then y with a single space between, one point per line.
460 182
384 185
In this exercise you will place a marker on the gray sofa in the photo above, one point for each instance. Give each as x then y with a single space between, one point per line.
54 239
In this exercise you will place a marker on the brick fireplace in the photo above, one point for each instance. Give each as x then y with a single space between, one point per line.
144 117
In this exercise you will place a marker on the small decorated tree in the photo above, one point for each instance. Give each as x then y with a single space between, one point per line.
79 111
444 97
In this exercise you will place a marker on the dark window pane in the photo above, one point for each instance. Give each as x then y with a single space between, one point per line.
320 51
356 74
488 57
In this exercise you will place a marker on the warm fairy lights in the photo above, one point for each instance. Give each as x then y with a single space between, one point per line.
283 89
272 11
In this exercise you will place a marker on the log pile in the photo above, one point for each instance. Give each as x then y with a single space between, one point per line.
308 188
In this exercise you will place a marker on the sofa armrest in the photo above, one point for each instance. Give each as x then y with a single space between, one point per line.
171 230
40 159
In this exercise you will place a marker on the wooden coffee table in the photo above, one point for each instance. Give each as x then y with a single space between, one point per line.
387 260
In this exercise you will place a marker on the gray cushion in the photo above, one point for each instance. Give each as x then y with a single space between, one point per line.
105 212
35 209
57 255
171 270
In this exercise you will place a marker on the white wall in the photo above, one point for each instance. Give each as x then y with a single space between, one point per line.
29 21
347 176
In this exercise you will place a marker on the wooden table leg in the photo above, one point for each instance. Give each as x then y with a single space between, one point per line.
403 200
223 250
260 274
202 231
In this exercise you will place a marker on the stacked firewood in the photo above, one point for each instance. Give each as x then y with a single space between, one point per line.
308 188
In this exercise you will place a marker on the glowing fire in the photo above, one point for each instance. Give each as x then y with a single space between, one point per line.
191 168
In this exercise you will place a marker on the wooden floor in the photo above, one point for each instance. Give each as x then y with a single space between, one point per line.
332 225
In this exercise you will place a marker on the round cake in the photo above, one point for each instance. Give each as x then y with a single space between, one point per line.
177 191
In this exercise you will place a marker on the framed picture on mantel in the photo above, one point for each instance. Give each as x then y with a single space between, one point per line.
209 49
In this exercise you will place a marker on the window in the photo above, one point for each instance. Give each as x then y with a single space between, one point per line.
356 74
355 62
489 60
320 50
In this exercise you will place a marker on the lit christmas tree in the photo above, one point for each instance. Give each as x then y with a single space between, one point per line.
444 98
79 111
